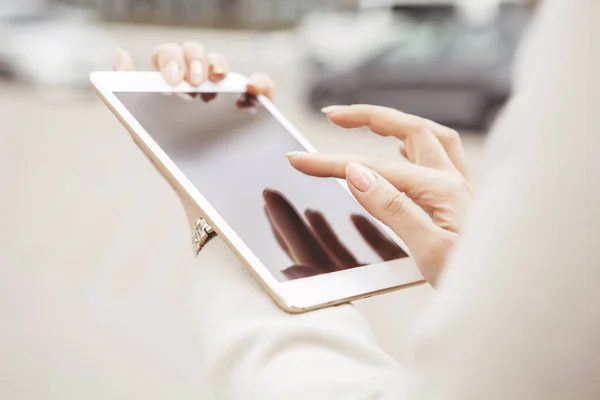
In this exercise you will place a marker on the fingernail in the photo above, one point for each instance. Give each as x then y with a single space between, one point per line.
172 72
217 70
360 177
332 109
293 154
196 71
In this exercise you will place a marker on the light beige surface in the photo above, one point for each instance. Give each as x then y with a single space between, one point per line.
94 242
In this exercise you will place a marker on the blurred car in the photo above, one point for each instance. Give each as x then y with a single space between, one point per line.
442 69
48 46
339 40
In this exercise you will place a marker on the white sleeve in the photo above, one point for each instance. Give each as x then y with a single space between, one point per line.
517 315
254 350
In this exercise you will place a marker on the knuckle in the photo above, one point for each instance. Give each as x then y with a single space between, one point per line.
395 204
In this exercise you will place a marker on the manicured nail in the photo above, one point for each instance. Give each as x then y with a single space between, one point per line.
360 177
332 109
196 71
172 72
217 70
293 154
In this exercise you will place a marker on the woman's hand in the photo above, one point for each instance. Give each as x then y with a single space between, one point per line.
191 62
425 202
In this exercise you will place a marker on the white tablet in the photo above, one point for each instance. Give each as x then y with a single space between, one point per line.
307 241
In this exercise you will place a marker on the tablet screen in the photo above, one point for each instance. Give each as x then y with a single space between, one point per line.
233 150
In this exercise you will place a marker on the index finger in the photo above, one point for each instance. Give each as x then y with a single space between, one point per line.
422 146
406 177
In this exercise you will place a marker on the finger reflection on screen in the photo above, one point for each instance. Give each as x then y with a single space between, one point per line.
313 247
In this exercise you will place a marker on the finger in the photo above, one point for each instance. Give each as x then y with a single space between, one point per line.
169 59
277 235
195 61
336 250
260 84
217 67
405 176
301 271
123 61
385 247
450 140
394 209
422 147
304 248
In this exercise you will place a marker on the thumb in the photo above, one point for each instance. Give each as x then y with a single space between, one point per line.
392 207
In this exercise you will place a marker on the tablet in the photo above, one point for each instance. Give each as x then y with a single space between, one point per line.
305 239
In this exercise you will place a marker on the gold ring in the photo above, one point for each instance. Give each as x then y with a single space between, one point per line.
201 233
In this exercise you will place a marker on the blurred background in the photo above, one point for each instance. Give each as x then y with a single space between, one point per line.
95 243
425 57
